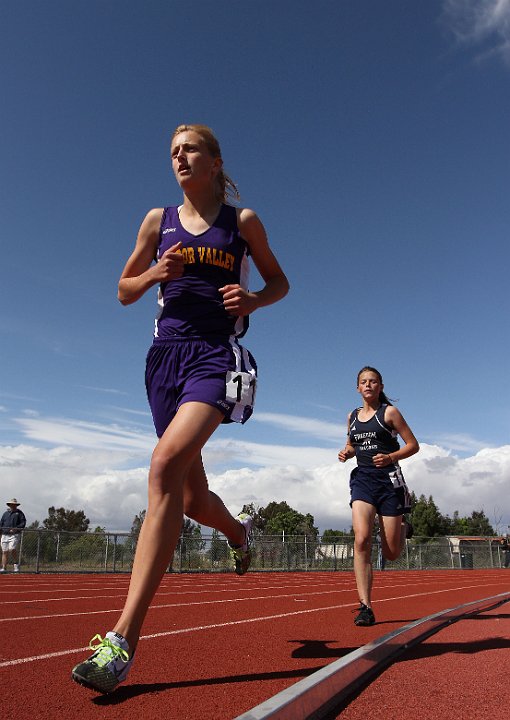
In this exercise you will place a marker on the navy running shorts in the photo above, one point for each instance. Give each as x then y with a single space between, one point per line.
218 372
385 490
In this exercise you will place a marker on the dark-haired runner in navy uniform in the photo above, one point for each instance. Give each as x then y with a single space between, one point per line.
377 484
197 373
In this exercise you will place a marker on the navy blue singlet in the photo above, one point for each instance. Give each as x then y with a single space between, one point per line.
372 437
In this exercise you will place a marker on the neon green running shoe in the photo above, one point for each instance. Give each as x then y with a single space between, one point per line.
107 667
241 554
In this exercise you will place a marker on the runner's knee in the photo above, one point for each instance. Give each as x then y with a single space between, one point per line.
167 467
193 505
362 543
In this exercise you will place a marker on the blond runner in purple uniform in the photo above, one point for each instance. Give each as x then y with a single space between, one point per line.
197 373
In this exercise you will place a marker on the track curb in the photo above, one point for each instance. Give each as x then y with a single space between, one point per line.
313 697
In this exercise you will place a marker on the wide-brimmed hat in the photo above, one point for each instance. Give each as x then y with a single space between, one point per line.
12 502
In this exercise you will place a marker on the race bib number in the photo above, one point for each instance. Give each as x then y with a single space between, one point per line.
240 387
397 478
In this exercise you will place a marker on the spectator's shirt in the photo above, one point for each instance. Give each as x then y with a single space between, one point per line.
12 520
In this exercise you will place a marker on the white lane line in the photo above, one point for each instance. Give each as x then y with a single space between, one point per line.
170 592
221 601
233 589
55 599
67 589
181 582
188 592
165 584
47 656
165 633
418 577
214 626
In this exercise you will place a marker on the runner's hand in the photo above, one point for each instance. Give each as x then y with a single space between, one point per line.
237 301
170 265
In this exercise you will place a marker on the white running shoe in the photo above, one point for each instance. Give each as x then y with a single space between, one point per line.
241 554
16 568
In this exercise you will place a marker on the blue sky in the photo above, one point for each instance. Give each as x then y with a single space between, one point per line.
372 140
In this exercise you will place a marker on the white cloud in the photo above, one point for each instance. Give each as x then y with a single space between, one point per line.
322 491
31 413
463 484
128 411
139 443
71 477
102 469
77 433
477 482
458 442
260 454
307 426
481 22
99 480
111 391
23 398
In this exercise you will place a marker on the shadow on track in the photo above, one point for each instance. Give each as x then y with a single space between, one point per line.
126 692
501 616
419 651
319 649
470 647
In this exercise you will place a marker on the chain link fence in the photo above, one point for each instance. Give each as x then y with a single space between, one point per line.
44 551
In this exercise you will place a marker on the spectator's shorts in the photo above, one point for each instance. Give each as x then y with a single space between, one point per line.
9 542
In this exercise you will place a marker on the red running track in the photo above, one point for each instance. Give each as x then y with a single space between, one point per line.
458 673
214 646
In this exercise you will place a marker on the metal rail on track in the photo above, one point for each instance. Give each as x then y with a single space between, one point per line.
318 694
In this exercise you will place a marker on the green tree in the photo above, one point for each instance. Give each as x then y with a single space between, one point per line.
480 524
218 549
86 549
477 524
331 536
191 533
41 543
61 523
190 545
136 525
426 518
258 519
60 520
292 522
279 517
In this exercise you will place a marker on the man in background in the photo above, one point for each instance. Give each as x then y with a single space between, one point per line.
505 547
12 523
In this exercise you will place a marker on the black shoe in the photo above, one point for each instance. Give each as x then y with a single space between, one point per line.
365 615
409 528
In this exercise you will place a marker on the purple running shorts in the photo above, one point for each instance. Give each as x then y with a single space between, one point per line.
218 372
